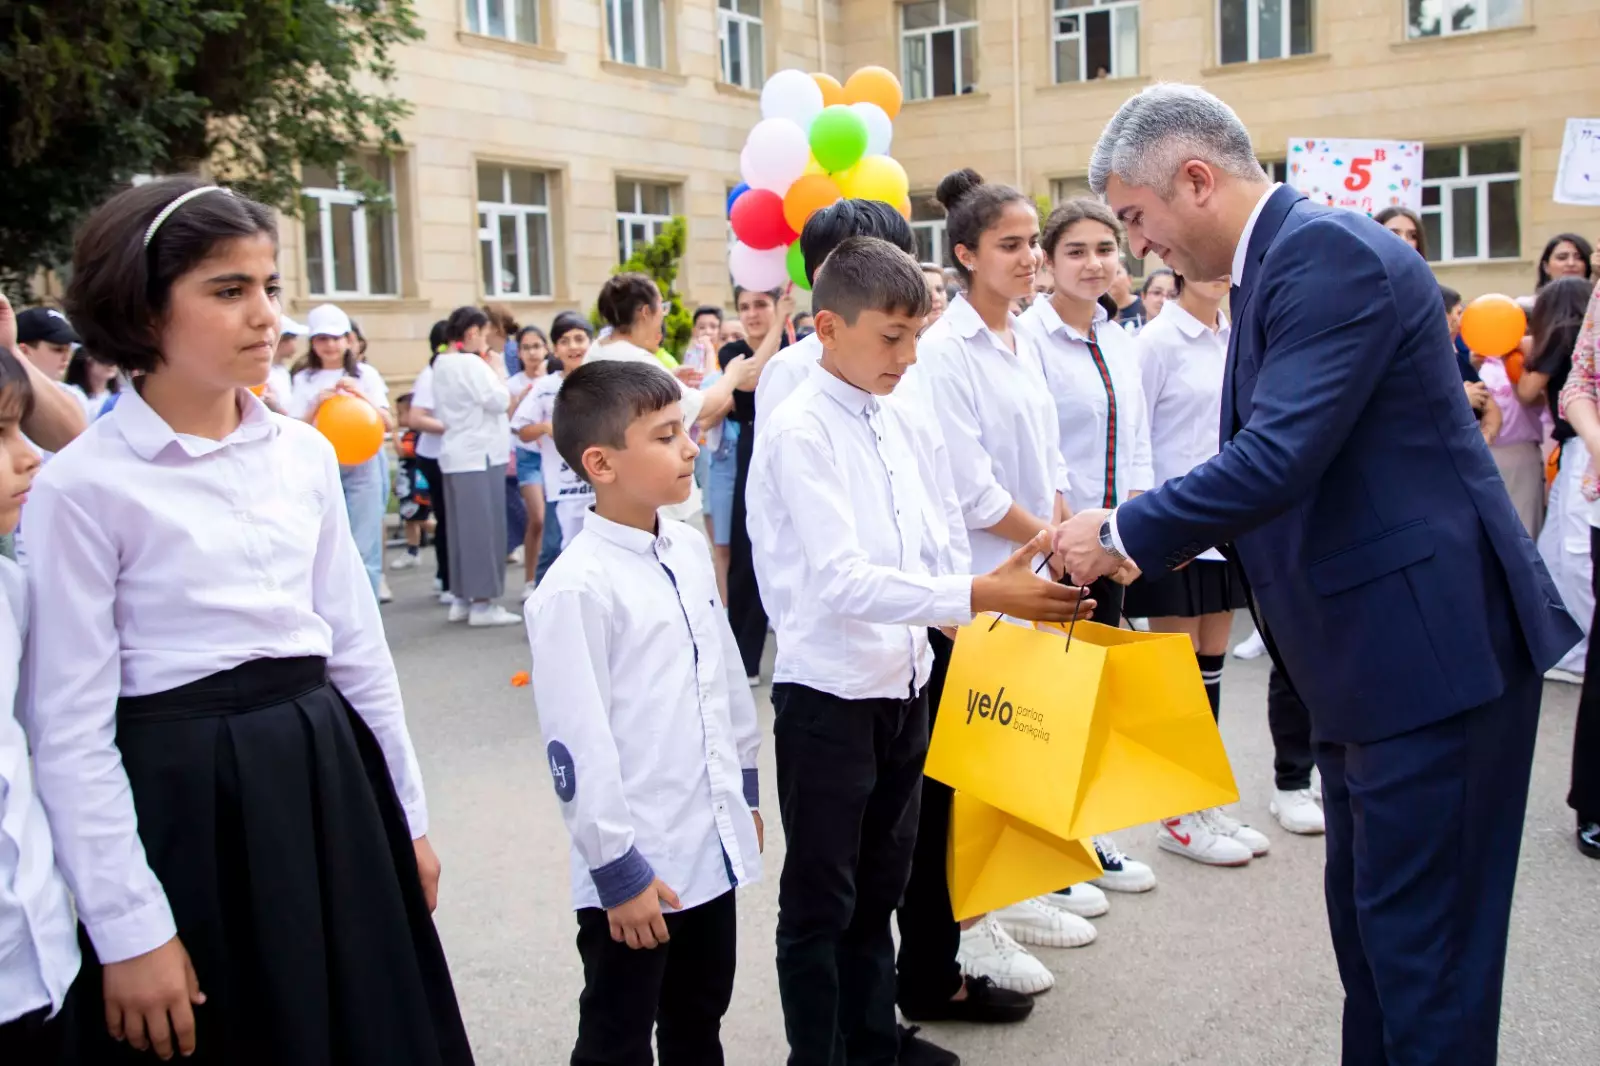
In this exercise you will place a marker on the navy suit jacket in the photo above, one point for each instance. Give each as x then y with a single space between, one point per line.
1391 572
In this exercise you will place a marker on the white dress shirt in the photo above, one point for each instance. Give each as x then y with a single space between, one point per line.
999 423
38 933
649 727
560 481
845 498
471 400
692 401
428 444
1084 405
172 558
518 386
784 373
307 385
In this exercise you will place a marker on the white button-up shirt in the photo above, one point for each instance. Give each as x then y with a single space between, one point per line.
1077 375
471 400
999 423
38 933
649 727
171 558
307 385
560 481
784 373
1183 364
846 501
428 444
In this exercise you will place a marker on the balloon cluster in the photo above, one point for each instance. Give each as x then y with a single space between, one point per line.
817 142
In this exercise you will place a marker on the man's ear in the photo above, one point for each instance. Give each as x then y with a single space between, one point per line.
597 465
1199 179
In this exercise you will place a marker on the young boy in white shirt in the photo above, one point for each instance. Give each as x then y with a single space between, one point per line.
852 551
649 727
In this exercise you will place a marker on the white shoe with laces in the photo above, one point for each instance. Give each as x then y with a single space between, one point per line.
1035 922
516 556
385 594
527 590
1194 837
1119 872
986 951
459 609
1252 647
405 561
1085 900
1229 826
492 614
1297 811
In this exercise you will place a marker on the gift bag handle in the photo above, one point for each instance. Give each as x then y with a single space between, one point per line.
1083 590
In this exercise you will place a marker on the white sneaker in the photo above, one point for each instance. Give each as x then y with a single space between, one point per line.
1121 874
405 561
446 599
986 951
527 590
1085 900
1298 812
516 555
492 614
1565 677
1252 647
459 609
385 594
1193 837
1229 826
1035 922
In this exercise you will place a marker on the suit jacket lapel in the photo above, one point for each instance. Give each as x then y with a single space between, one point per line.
1268 223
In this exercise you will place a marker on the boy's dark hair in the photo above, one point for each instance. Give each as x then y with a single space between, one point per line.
1069 214
461 320
565 323
707 309
600 400
16 390
971 206
624 296
120 288
838 222
78 371
868 274
1451 298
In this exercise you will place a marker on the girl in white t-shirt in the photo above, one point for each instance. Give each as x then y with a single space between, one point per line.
564 491
533 352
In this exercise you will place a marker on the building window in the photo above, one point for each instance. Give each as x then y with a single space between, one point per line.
514 20
743 55
1095 39
352 245
1252 30
1441 18
514 231
927 226
643 207
636 32
939 47
1469 201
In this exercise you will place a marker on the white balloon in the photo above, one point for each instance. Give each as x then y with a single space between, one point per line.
794 95
775 155
753 269
880 128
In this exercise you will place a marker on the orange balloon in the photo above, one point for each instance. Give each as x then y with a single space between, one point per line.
1493 325
809 194
257 390
352 426
875 85
904 207
832 91
1513 365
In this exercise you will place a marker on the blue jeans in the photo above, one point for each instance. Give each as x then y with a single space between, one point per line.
551 545
366 492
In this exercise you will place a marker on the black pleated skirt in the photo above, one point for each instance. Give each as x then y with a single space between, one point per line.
1205 586
267 812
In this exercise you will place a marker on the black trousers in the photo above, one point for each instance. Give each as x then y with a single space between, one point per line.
746 615
441 545
1290 724
680 990
38 1040
1584 796
849 785
930 937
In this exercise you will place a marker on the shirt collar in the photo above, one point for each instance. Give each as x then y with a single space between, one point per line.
1187 324
1241 253
964 318
148 434
629 538
1053 323
856 401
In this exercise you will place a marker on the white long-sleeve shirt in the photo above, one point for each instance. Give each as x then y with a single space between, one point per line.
999 423
785 372
1100 406
171 558
471 400
847 499
649 728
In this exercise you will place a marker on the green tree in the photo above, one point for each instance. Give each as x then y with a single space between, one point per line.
660 260
94 92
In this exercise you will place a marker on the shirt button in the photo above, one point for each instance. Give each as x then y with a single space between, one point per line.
270 584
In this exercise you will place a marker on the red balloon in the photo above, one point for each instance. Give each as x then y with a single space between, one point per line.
758 220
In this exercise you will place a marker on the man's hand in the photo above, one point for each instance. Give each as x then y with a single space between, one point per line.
150 1000
761 832
1077 543
428 869
638 922
1127 573
1013 588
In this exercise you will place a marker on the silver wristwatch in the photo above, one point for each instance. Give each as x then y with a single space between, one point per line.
1107 542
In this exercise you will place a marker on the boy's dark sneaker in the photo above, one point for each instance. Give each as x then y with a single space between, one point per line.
1589 839
915 1051
985 1003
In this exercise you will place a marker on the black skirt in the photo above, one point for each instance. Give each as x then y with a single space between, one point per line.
1205 586
266 811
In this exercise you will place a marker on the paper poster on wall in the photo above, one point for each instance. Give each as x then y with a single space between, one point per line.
1578 176
1362 175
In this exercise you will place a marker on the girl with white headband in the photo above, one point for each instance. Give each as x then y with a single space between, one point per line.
214 715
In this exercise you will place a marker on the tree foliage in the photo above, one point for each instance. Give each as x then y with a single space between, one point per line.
95 92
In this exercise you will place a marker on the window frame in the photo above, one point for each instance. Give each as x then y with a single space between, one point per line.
734 20
326 200
477 16
1253 32
626 220
927 33
1446 29
489 214
612 19
1445 208
1110 6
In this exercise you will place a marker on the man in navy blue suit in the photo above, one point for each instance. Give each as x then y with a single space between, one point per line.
1395 585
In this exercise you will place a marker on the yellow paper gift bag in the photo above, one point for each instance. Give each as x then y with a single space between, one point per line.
1112 732
996 860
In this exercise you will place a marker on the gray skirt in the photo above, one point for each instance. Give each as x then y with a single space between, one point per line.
476 503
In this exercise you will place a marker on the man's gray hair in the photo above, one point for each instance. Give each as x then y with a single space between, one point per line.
1152 134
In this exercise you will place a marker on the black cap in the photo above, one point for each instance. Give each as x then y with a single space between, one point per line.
44 324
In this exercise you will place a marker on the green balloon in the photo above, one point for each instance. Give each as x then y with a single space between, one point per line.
797 267
838 138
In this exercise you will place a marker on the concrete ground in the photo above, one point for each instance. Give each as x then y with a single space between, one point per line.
1223 967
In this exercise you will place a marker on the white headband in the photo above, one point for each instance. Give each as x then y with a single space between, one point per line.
166 212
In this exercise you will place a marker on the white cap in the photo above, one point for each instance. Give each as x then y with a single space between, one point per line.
327 321
288 327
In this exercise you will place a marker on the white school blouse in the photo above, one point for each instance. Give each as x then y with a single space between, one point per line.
173 557
649 727
38 933
1183 364
306 386
1078 376
999 423
428 444
846 502
471 400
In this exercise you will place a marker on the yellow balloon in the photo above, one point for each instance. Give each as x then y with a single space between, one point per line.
813 167
877 177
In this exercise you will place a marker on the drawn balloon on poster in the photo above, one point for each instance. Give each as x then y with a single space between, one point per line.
1362 175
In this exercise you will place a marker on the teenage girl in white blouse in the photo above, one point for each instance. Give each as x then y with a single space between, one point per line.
215 718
